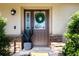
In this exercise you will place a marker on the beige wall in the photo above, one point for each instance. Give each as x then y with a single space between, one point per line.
13 20
61 16
58 18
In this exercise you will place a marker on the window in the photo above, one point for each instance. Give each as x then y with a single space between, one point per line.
38 26
27 20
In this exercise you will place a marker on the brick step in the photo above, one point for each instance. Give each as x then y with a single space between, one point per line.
57 44
56 47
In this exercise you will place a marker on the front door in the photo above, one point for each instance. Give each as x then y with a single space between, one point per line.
38 21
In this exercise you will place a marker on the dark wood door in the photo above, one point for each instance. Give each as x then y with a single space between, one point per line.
40 30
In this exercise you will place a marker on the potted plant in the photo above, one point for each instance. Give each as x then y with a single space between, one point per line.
27 39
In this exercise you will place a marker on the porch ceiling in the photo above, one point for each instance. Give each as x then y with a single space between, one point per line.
35 4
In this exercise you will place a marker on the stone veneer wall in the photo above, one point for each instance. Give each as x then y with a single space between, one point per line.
57 38
15 44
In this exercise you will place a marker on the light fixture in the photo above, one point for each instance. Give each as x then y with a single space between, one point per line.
13 11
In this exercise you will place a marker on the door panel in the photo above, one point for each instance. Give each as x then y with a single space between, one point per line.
40 30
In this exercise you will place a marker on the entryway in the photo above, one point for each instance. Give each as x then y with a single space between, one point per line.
35 51
37 21
55 50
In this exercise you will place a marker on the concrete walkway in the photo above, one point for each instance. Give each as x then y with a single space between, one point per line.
34 49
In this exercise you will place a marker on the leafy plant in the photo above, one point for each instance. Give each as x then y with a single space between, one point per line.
72 34
4 41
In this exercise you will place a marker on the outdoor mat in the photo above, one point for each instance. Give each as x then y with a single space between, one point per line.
39 54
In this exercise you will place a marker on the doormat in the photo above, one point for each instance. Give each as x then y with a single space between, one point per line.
39 54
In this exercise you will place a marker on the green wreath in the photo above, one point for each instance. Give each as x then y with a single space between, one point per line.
40 17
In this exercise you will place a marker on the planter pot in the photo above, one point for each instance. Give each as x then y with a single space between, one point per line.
27 45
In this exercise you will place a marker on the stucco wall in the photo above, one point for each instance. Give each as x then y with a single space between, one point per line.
61 15
58 18
13 20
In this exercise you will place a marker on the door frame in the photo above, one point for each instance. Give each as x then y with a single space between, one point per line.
47 14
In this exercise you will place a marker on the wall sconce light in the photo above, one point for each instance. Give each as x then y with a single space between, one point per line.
13 12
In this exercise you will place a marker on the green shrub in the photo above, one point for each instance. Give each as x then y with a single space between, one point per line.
4 41
72 34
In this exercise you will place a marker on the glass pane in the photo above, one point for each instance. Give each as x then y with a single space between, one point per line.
38 26
27 20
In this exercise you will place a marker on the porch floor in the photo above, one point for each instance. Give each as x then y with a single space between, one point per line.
54 50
